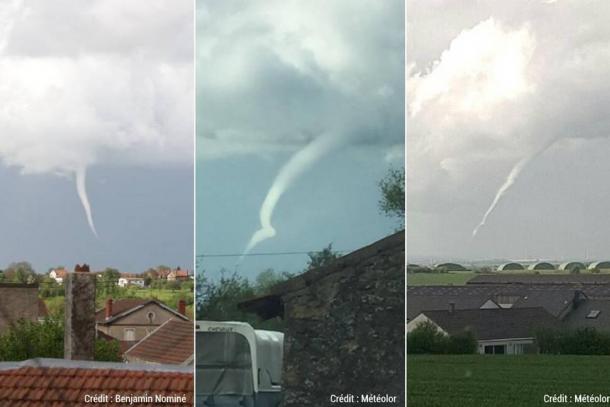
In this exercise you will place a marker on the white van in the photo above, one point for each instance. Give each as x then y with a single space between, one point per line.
238 365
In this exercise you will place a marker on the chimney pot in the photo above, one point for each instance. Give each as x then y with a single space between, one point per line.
182 307
108 308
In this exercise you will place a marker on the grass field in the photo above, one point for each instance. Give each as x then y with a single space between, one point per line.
503 381
170 297
458 278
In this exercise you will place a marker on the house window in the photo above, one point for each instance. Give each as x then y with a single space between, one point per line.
151 317
495 349
129 334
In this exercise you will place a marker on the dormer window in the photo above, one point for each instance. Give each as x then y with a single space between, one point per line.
593 314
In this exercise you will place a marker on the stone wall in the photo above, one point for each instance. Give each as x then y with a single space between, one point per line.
345 328
17 301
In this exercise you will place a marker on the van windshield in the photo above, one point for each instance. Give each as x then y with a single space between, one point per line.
224 364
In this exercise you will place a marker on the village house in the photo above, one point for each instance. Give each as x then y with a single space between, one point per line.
178 275
133 281
171 343
342 317
508 331
58 274
130 320
76 379
492 305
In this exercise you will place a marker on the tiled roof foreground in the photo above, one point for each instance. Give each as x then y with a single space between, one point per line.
171 343
56 382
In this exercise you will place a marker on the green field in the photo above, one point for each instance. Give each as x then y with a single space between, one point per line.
503 381
55 305
457 278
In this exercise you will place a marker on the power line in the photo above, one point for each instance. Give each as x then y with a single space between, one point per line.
265 253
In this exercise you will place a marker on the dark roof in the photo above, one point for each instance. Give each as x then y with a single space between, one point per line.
57 382
554 299
488 324
529 278
171 343
271 304
123 307
420 298
578 317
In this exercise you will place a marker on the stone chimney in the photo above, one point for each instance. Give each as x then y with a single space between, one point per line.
79 318
108 308
182 307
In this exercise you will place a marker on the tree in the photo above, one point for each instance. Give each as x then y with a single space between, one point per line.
267 279
218 301
322 258
109 281
28 339
392 202
20 272
50 288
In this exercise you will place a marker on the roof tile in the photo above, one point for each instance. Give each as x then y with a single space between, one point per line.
60 386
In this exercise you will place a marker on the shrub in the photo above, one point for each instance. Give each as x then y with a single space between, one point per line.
107 351
582 341
426 339
31 339
464 343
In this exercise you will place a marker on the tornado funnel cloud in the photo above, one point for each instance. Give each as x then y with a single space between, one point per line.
513 175
300 162
510 180
81 189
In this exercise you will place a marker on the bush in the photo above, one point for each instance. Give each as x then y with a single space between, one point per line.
30 339
107 351
582 341
426 339
462 344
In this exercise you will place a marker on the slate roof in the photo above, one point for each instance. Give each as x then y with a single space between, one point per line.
420 298
491 324
58 382
555 299
528 278
578 317
171 343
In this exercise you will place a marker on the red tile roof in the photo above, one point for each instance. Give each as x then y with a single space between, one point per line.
61 273
171 343
119 306
57 382
124 307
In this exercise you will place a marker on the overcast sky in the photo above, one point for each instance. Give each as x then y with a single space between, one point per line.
300 104
508 97
96 133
